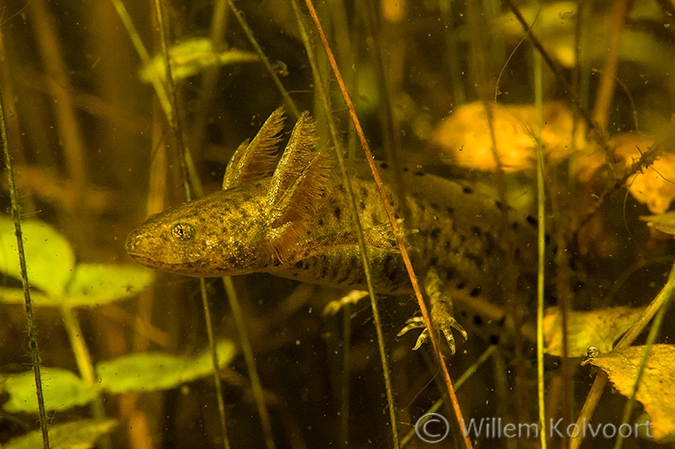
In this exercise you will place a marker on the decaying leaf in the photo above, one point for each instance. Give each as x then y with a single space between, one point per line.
595 328
663 222
657 384
466 140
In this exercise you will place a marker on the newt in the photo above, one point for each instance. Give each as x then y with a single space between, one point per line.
292 219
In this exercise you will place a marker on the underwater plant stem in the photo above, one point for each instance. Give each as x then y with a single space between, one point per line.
60 88
247 351
288 102
557 72
84 365
541 247
143 55
28 303
209 79
384 361
466 375
187 164
603 100
214 359
190 179
433 337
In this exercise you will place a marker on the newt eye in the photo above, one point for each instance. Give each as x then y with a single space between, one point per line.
183 232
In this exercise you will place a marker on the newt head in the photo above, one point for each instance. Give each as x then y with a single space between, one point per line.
221 234
259 218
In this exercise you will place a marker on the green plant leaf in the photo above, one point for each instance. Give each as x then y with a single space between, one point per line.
95 284
63 389
49 257
599 328
39 299
159 371
192 57
73 435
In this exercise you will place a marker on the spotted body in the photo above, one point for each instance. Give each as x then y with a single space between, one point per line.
301 226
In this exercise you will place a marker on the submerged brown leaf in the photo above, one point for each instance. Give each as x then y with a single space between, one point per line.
657 384
595 328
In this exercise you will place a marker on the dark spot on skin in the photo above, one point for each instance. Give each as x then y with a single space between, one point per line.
391 274
320 222
364 192
433 261
467 190
475 292
324 271
384 165
475 258
515 226
433 234
476 231
298 265
450 211
462 314
449 275
501 321
406 169
419 173
461 285
337 213
477 320
499 205
362 205
341 188
446 244
531 220
494 339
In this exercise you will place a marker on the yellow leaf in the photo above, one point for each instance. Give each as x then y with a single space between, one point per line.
657 384
663 222
595 328
465 137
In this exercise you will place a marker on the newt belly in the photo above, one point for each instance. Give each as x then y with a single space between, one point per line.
295 222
